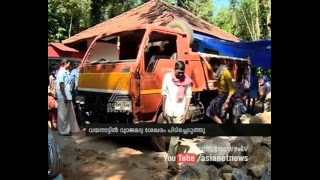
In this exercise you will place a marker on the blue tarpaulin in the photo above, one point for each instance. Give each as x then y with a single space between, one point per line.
259 51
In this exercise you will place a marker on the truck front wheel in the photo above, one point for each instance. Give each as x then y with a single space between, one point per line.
160 143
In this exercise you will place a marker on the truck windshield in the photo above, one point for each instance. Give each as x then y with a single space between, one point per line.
117 47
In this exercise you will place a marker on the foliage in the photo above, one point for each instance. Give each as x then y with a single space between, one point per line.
246 19
201 8
57 29
67 17
224 20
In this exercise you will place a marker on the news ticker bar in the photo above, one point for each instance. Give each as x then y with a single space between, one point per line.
147 129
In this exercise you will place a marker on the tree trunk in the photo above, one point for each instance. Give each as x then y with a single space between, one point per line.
269 19
70 27
257 21
269 22
248 27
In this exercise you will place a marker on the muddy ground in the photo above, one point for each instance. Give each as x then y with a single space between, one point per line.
110 158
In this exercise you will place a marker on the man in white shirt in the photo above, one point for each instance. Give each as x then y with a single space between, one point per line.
67 122
177 94
74 76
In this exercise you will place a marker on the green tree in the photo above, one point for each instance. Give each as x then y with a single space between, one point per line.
224 20
56 22
102 10
253 17
96 13
201 8
76 9
67 17
265 17
117 7
246 19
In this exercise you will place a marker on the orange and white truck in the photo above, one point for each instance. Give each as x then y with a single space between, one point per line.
122 71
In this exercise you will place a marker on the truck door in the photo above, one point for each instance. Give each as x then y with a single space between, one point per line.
159 58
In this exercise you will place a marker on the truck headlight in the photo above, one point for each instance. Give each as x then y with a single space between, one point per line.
123 106
80 99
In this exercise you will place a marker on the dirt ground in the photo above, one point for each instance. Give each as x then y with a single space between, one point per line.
116 158
110 158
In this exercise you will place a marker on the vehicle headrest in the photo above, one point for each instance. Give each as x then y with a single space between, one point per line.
154 49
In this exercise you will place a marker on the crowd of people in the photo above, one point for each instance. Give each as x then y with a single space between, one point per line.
239 87
62 88
238 91
235 91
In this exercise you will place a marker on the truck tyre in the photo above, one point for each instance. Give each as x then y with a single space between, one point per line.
160 143
53 156
79 116
184 27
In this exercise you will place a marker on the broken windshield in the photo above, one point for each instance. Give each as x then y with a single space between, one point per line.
118 47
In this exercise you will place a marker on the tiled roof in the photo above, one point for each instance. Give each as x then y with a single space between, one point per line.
153 12
63 47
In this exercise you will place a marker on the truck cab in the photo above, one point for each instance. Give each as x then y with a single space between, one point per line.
121 74
122 71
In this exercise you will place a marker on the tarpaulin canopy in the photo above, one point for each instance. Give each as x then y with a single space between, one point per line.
259 51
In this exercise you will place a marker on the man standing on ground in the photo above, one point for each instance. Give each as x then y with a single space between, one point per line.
67 122
253 90
74 76
226 88
177 94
